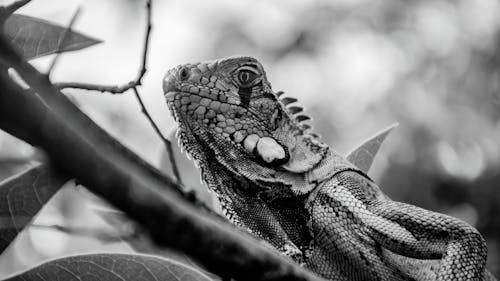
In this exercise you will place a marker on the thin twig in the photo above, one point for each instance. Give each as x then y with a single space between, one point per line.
168 143
95 87
64 38
120 88
147 34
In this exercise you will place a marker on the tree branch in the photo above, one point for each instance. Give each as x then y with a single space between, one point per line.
81 149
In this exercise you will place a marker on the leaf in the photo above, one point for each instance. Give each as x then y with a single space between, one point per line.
363 156
141 242
107 267
22 196
36 37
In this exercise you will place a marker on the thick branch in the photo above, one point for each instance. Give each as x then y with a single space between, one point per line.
84 151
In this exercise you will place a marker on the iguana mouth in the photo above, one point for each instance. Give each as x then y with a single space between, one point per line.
265 148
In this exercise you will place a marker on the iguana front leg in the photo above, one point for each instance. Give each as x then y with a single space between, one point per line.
341 225
461 247
350 202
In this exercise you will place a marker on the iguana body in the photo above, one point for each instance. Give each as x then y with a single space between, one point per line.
276 180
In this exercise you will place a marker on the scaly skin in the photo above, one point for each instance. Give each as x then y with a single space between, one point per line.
276 180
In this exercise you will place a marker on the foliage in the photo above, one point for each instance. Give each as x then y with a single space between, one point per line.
111 267
22 196
364 155
36 38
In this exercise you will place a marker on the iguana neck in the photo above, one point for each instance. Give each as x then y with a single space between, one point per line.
311 162
305 150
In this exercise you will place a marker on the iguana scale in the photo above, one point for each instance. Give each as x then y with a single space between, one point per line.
275 179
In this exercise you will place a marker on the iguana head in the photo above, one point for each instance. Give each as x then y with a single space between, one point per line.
227 112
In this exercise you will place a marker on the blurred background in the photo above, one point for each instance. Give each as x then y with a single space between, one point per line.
355 65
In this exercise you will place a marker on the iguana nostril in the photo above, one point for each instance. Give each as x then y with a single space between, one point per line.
184 73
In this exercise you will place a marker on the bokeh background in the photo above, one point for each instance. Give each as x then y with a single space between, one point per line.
355 65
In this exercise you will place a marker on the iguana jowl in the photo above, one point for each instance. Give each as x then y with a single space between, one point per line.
278 181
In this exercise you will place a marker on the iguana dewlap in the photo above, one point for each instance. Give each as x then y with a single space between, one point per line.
277 180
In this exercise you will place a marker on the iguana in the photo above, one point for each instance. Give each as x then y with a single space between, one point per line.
276 179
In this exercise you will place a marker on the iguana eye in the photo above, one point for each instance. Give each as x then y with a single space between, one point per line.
246 78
